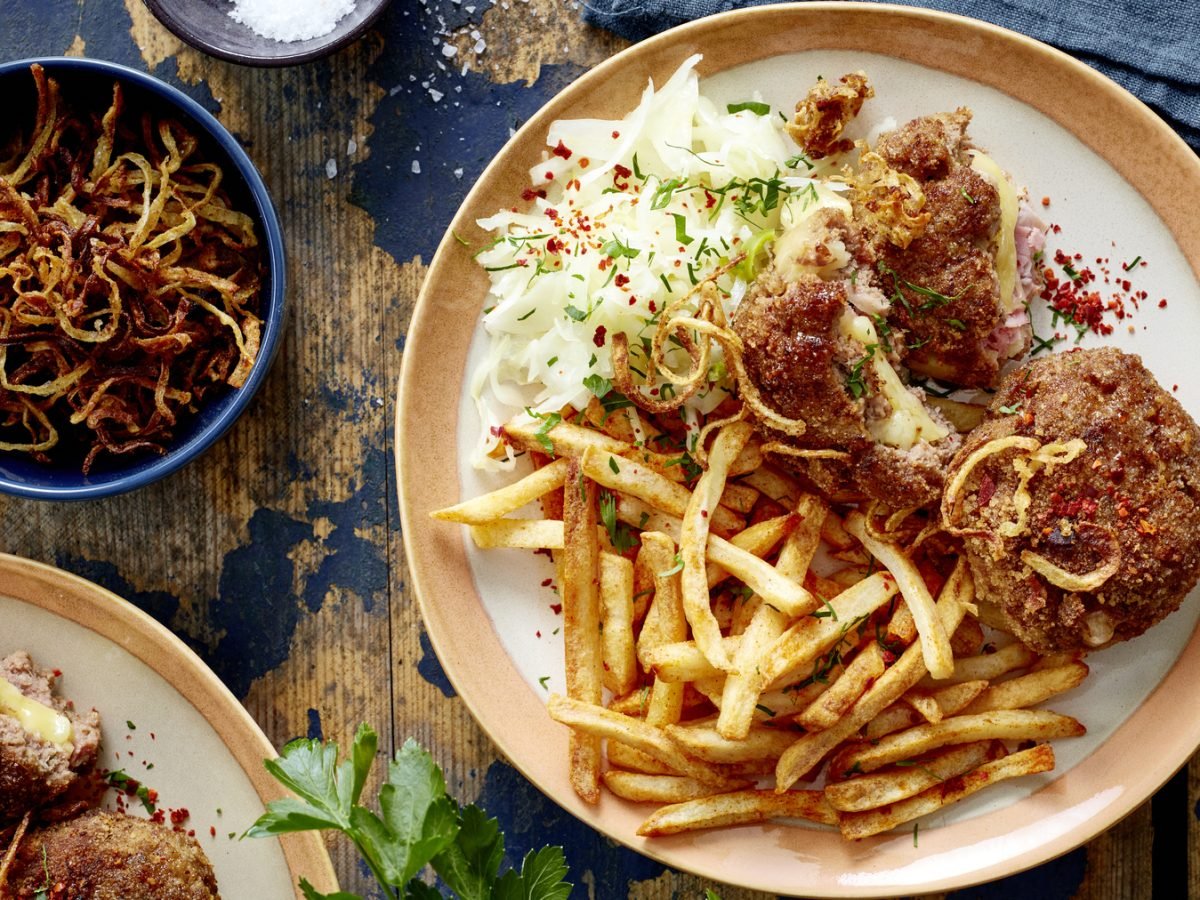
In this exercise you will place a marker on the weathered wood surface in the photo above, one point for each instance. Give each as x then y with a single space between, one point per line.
278 555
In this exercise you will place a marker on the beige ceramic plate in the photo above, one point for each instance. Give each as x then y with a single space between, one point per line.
190 739
1114 172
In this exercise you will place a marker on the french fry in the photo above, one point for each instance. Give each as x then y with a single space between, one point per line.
749 460
823 712
855 826
738 808
743 686
650 739
802 756
739 497
616 618
808 638
521 534
618 473
881 788
509 498
693 542
935 640
933 706
566 439
633 703
580 592
705 742
684 661
773 483
760 576
758 539
665 624
967 640
834 533
640 787
1001 724
1029 690
990 666
623 756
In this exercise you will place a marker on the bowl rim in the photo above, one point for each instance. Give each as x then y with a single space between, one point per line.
166 16
274 307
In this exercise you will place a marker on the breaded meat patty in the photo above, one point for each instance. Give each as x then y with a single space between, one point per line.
956 288
814 358
37 767
106 856
1078 499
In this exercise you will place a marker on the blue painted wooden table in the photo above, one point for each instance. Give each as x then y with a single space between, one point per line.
277 557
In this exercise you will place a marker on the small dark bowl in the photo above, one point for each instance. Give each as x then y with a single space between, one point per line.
207 26
90 81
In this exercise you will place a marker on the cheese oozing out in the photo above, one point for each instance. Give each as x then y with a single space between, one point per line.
36 718
908 422
1006 248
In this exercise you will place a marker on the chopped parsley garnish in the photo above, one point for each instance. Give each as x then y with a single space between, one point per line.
856 382
765 710
527 315
548 420
795 161
754 106
681 234
1009 410
577 314
957 324
827 613
1128 267
1070 272
612 464
616 249
597 384
544 681
665 191
969 198
618 533
678 567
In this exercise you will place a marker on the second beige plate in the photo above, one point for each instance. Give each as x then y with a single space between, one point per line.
167 721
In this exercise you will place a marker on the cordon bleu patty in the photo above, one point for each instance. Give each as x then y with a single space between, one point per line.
944 284
35 771
1107 546
808 368
108 856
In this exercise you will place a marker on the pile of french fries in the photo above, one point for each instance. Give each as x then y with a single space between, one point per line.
711 669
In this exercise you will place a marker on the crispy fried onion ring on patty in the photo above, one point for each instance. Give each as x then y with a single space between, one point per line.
1034 457
695 334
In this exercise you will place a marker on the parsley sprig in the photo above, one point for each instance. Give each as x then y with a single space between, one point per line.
418 825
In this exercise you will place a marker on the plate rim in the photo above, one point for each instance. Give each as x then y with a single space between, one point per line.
74 598
427 544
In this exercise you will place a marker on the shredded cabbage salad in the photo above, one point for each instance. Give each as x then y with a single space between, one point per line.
624 218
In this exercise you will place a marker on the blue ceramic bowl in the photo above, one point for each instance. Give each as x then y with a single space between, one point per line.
89 80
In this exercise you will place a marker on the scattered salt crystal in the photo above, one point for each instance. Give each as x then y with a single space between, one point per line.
436 94
480 45
331 168
458 173
449 50
416 168
351 147
291 20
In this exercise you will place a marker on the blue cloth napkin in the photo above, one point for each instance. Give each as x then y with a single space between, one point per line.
1149 47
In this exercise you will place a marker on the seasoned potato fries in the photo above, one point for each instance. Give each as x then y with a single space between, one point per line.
730 635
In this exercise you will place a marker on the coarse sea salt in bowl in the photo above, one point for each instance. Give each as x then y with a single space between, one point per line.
86 87
267 32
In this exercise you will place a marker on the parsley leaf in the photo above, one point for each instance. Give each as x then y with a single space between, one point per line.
598 385
754 106
418 825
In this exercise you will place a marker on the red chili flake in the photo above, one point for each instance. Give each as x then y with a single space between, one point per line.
621 280
549 176
653 306
159 817
537 634
632 300
179 816
621 172
57 673
584 162
557 608
530 193
1045 201
554 245
616 134
1162 304
709 200
598 337
561 150
551 212
704 513
212 830
546 582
